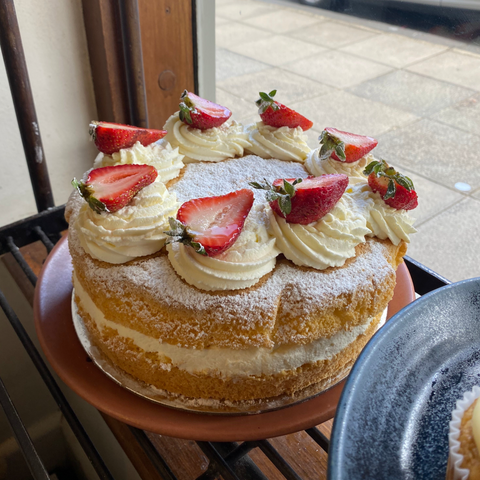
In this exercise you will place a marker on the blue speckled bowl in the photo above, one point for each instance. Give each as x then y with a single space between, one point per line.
392 419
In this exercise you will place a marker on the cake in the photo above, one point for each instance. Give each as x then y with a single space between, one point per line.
464 438
285 308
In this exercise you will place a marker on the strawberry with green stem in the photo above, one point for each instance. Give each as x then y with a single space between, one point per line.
343 146
304 201
200 113
108 189
112 137
278 115
211 225
396 189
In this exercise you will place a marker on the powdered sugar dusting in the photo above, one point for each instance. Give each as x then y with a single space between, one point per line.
210 179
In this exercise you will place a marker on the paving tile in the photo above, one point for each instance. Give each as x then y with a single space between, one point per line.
277 50
465 115
434 150
229 64
432 197
243 10
350 113
284 20
395 50
414 93
333 34
453 66
450 242
240 107
236 33
290 87
337 69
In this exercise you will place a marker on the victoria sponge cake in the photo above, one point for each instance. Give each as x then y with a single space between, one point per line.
233 278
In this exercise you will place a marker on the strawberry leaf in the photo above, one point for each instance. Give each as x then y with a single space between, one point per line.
390 190
180 233
289 188
285 204
404 182
272 93
331 144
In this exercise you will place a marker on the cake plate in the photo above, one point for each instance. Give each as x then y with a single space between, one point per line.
59 341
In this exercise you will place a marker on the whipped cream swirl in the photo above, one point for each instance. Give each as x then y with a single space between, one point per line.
283 143
211 145
383 220
326 243
133 231
353 170
252 256
167 160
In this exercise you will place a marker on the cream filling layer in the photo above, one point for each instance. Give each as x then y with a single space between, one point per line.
326 243
167 160
353 170
226 362
284 143
211 145
133 231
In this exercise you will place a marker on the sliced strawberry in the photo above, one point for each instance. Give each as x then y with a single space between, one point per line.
200 113
211 224
305 200
108 189
343 146
112 137
396 190
277 115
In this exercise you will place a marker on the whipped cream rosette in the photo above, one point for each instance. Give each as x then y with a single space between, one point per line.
328 242
167 160
211 145
252 256
382 220
134 231
329 166
284 143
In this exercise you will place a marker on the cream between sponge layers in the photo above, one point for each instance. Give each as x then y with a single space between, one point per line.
228 362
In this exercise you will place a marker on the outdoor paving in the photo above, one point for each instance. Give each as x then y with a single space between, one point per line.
416 93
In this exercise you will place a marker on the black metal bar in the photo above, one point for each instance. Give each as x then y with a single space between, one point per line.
153 455
424 279
132 50
319 437
17 73
44 239
51 221
25 443
272 454
21 261
55 391
217 460
236 456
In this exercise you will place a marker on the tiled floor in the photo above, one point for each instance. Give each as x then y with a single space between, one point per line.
416 93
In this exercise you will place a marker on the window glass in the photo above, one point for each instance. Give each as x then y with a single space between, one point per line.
405 73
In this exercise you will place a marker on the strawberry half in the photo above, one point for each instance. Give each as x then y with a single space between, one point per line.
277 115
112 137
396 190
211 224
305 200
108 189
200 113
343 146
